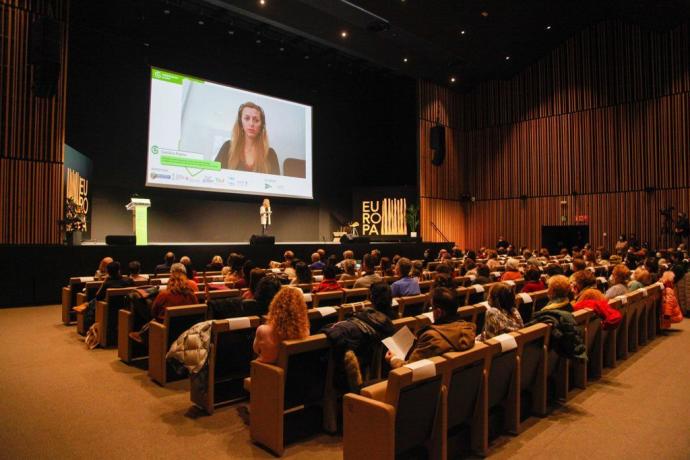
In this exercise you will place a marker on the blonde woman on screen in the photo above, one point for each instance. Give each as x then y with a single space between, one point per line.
265 213
248 149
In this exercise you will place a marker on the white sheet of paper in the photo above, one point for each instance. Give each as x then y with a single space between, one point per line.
318 278
478 288
85 279
400 342
526 298
394 302
507 342
164 280
472 277
422 369
238 323
325 311
307 296
601 279
430 315
275 270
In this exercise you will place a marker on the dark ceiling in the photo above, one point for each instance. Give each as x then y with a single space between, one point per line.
500 37
429 32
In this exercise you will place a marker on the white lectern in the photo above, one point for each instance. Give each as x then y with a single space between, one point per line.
139 207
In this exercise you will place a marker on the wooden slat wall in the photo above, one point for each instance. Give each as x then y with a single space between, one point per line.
440 187
31 129
605 115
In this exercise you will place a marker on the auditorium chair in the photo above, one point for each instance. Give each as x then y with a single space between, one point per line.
356 295
220 294
391 279
401 417
327 299
107 314
305 287
462 281
468 313
412 305
425 286
622 344
577 368
229 357
69 297
90 290
532 356
528 304
286 398
609 338
320 317
653 309
636 305
595 348
502 393
162 335
347 284
466 380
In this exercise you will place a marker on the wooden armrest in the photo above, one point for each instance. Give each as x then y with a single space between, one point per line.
158 337
376 391
366 420
266 405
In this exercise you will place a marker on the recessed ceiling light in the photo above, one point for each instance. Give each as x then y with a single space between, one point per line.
306 56
507 58
404 59
452 79
485 14
281 49
262 2
343 34
462 32
200 22
231 32
548 27
166 11
146 45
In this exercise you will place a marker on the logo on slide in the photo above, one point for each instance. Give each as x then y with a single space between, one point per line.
267 186
160 176
154 149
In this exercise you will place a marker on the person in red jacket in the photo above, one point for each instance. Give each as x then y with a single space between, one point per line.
329 282
533 281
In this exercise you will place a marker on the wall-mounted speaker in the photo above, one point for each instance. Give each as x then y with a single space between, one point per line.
437 142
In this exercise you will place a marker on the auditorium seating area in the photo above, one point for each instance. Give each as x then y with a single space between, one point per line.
454 405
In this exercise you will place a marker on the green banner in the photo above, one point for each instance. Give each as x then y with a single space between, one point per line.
167 160
171 77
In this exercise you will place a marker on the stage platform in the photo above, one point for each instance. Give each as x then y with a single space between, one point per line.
33 275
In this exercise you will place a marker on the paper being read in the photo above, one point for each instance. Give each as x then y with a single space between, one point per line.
400 343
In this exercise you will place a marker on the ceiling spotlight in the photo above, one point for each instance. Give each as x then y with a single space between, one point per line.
548 27
146 45
507 58
200 22
452 79
231 32
166 11
343 34
262 2
462 32
258 41
281 49
404 59
485 14
306 56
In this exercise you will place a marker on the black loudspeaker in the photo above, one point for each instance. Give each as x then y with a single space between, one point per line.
44 55
121 240
437 142
262 239
355 239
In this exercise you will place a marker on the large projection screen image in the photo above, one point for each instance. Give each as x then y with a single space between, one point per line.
211 137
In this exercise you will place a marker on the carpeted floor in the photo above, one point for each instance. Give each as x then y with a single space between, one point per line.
60 400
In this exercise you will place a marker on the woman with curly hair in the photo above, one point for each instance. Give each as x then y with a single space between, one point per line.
287 320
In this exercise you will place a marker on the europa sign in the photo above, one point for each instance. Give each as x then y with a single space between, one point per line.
384 217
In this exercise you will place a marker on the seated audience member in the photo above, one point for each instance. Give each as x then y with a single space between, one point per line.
303 274
255 275
406 285
102 272
179 291
671 311
493 261
469 267
288 264
553 270
316 263
428 256
347 255
512 273
417 269
533 281
483 275
501 316
578 265
444 269
333 262
243 281
442 280
168 260
287 320
471 255
134 271
322 254
376 257
187 262
368 275
639 279
622 245
619 281
354 339
395 259
216 264
558 293
348 266
510 251
266 289
329 281
448 333
386 267
652 266
604 256
113 279
584 285
235 264
456 252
